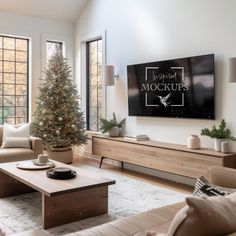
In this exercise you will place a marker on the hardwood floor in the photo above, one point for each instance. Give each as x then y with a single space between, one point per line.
132 174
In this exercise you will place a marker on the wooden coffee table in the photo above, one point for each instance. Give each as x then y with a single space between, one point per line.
63 201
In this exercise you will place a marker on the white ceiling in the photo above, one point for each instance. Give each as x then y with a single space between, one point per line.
63 10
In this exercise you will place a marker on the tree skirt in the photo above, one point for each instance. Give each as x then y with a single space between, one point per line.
127 197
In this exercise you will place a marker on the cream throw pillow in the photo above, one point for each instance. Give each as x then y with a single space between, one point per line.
13 142
211 216
22 131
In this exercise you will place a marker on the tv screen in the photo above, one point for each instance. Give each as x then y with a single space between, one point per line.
183 88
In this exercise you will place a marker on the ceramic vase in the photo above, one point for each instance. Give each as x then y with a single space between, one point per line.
225 147
217 144
114 132
193 142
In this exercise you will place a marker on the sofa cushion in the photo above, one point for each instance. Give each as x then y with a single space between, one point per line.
15 154
211 216
21 131
14 142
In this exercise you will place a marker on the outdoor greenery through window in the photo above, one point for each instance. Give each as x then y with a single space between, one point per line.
52 47
14 73
94 84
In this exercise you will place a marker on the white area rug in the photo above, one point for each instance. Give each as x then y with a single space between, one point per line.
127 197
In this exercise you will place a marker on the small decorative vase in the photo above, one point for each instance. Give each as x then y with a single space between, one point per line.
225 147
193 142
217 144
114 132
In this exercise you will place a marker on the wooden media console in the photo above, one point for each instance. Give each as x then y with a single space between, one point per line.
172 158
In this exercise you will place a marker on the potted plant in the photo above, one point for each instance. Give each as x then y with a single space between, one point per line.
218 134
111 126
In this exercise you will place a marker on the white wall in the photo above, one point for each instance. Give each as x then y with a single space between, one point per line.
38 30
140 31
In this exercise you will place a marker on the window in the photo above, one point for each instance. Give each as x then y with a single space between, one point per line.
94 84
14 76
52 47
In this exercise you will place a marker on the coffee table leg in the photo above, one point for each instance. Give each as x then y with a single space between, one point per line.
11 187
69 207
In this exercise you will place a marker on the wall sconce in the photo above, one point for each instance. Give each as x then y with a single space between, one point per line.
109 75
232 69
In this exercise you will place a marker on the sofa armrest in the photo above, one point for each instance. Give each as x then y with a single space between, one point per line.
37 145
222 176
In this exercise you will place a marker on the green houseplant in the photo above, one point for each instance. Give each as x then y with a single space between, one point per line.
218 134
111 126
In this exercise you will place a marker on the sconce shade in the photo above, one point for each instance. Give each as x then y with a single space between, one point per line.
232 69
109 75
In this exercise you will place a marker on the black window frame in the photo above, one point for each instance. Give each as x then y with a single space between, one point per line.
88 85
14 73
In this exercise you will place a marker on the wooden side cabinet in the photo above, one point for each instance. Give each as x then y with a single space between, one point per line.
172 158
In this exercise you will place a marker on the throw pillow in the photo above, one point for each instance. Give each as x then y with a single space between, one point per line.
22 131
211 216
13 142
204 188
177 220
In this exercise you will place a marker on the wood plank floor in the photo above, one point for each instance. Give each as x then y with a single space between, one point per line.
132 174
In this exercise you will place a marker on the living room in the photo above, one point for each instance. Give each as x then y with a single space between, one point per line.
142 186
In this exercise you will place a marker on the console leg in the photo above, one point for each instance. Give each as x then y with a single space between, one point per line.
122 165
101 162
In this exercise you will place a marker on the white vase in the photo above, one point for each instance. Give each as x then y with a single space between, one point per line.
225 147
114 132
217 144
193 142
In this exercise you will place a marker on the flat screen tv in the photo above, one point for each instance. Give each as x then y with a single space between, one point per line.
183 88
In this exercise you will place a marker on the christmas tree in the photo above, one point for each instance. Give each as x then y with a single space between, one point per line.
57 118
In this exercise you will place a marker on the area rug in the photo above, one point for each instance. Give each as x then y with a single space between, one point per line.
127 197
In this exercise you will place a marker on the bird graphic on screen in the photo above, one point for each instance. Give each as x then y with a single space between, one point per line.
163 100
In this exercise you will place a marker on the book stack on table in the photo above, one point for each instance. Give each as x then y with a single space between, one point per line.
140 137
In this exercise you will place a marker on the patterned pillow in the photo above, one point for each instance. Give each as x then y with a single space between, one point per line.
204 188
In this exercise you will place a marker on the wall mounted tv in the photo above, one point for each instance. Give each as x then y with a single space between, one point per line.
183 88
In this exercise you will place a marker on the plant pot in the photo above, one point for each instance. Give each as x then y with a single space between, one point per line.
217 144
114 132
63 155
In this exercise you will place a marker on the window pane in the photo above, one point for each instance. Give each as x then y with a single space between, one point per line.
22 44
9 101
9 120
21 89
9 55
9 111
8 78
8 89
9 67
94 84
21 67
9 43
21 100
21 111
20 120
21 78
13 80
21 56
53 47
